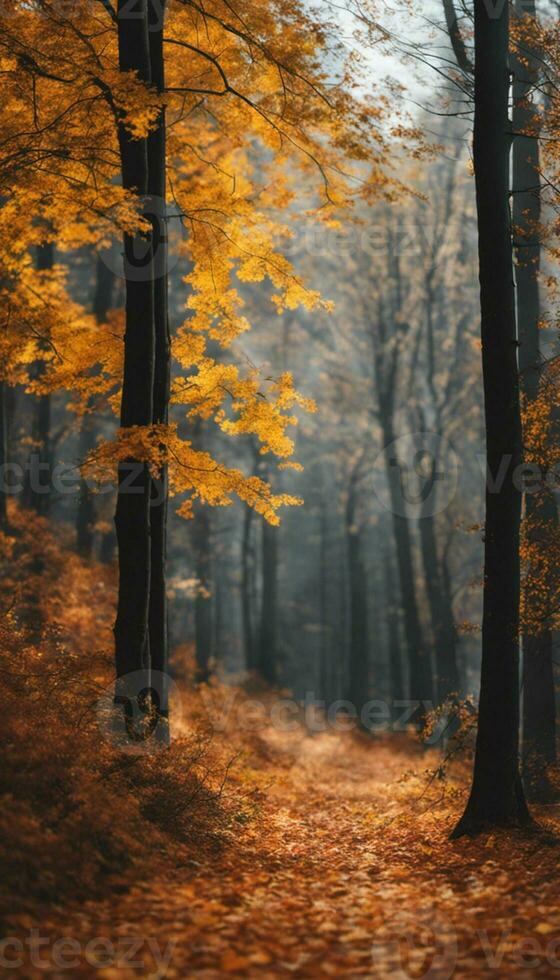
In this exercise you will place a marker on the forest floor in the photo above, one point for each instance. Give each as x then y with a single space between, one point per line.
244 850
346 872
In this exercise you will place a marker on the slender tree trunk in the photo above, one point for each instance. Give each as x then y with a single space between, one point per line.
539 698
132 519
496 797
359 644
247 559
539 715
392 608
419 667
107 549
38 481
158 616
201 544
220 593
268 667
203 600
441 610
324 673
539 720
85 517
4 454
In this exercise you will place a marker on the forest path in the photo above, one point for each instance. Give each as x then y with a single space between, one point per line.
347 873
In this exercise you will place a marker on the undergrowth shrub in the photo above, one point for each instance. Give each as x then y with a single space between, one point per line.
78 815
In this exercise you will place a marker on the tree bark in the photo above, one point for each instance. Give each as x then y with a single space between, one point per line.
4 453
441 610
496 797
455 36
359 644
539 698
158 614
38 481
203 600
395 666
132 519
539 713
247 561
419 667
268 667
325 666
85 516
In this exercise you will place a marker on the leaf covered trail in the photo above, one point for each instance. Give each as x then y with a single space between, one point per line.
347 872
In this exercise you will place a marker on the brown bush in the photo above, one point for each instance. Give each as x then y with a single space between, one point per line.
77 814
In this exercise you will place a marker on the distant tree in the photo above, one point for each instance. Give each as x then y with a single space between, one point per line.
37 492
247 589
268 621
85 512
359 646
389 331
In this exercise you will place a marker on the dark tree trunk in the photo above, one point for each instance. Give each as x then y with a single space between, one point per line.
107 549
158 617
4 454
85 517
268 667
539 716
38 481
203 600
324 672
526 216
132 519
496 797
392 608
539 699
456 38
419 667
359 645
441 610
247 572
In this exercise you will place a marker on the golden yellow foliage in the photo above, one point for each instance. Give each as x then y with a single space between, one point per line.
264 135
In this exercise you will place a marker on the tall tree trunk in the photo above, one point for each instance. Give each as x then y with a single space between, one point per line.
132 518
4 454
396 678
496 797
441 611
38 481
359 645
247 570
85 516
158 617
268 667
324 672
539 697
539 716
419 667
201 544
203 600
